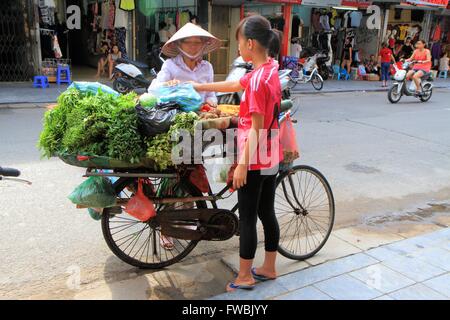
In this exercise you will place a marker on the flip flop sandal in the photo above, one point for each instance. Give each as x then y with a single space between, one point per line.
166 243
260 277
234 286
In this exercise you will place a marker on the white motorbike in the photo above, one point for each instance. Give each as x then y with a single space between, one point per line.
400 87
239 69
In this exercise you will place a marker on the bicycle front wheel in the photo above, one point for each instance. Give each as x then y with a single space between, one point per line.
304 206
141 244
317 82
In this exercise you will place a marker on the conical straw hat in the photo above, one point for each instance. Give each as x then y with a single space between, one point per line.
170 49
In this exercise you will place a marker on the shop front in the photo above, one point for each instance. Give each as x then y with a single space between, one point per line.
325 26
157 21
73 32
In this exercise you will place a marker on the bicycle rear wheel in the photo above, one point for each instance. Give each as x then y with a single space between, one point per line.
304 206
139 243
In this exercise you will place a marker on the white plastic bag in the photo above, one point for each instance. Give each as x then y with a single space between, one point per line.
221 167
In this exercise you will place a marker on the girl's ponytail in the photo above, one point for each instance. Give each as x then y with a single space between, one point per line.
274 43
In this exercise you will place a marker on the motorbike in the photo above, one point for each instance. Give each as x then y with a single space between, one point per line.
400 87
240 68
128 75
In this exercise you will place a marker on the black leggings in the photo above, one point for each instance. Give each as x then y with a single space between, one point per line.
256 199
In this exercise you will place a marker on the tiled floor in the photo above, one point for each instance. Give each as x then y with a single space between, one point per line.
415 268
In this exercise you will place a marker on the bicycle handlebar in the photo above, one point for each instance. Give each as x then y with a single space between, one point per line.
9 172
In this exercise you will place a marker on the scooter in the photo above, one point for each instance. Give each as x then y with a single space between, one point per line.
128 75
240 68
400 88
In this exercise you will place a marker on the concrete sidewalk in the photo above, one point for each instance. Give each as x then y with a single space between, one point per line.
24 93
417 268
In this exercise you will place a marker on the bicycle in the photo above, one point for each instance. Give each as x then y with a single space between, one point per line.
11 174
314 77
304 205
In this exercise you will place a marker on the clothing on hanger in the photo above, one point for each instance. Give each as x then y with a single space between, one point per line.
120 19
356 17
325 22
127 5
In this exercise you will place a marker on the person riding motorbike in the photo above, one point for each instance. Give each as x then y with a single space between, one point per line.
422 67
186 49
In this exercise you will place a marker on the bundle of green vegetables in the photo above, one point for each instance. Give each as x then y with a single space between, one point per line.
105 125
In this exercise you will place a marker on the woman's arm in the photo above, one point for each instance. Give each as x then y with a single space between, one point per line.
224 86
351 54
251 146
163 76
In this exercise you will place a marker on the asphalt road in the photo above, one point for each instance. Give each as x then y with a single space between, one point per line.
378 158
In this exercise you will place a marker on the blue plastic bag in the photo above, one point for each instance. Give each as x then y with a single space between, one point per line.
183 94
92 87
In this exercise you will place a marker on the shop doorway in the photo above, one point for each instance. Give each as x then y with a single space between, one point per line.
221 29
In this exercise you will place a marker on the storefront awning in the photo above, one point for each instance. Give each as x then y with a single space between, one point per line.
429 3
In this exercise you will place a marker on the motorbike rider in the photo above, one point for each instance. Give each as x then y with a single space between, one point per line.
186 49
422 67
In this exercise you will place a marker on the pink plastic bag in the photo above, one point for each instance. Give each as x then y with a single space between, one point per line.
288 140
139 206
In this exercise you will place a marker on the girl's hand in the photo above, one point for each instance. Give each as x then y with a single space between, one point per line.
211 103
240 176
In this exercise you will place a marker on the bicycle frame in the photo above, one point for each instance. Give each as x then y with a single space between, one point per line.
305 78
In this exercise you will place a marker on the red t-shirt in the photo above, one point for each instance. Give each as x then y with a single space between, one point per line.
262 91
386 55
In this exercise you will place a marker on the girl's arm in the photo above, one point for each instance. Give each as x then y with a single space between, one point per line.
240 173
224 86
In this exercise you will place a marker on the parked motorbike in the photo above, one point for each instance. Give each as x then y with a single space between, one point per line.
240 68
400 87
128 75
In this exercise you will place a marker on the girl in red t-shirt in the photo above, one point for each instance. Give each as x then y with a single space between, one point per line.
255 174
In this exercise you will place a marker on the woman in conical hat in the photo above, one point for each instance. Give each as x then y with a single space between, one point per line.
186 49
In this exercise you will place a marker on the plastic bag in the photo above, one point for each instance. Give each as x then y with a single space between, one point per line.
288 140
221 169
148 100
199 179
139 206
153 121
182 94
92 87
95 192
